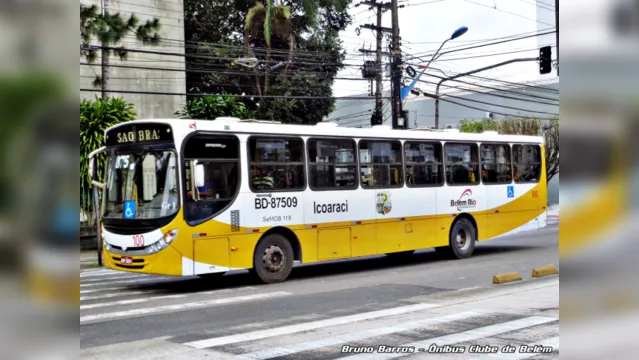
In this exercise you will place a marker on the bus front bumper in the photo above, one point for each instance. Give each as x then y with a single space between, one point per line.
167 261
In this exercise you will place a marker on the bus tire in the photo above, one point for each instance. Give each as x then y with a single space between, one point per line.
273 259
462 239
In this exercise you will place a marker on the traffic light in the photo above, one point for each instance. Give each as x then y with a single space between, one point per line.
376 118
545 60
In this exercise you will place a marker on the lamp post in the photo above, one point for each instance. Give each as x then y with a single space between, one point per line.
405 90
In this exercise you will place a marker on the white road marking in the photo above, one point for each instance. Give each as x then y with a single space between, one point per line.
466 336
355 336
185 306
292 329
102 272
103 296
131 301
104 289
126 277
132 281
553 342
131 293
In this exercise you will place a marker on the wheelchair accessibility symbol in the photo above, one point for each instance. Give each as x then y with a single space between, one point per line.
511 191
129 209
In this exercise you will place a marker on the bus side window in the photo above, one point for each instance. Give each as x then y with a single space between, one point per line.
277 164
462 164
496 164
527 162
423 163
381 161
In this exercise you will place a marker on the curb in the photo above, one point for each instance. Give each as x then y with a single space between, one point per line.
506 278
545 271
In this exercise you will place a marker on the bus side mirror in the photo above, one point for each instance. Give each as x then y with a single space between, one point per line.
199 175
92 174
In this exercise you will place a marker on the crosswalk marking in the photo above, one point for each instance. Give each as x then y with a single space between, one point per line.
130 301
191 305
552 342
292 329
356 336
104 289
470 335
89 281
131 281
112 295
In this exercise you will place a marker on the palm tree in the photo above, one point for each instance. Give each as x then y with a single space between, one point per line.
261 23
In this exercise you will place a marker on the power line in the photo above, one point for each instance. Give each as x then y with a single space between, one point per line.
417 56
508 12
491 104
485 110
491 94
233 95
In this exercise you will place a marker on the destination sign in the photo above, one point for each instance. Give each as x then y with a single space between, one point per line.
139 134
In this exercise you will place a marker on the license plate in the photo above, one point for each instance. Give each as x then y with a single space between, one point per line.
126 260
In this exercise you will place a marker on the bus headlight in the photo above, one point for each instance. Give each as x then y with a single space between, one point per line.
163 242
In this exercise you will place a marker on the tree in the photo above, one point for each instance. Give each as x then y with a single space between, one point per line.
95 117
109 29
210 107
520 126
304 63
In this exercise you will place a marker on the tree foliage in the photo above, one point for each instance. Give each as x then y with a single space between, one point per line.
95 117
519 126
109 29
210 107
303 58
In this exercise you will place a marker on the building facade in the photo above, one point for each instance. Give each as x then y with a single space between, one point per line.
136 74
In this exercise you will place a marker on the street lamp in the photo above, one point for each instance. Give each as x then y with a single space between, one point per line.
405 90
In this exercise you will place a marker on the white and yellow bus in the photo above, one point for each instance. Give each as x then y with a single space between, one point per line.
189 197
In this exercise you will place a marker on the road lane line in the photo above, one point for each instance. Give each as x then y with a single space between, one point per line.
164 279
461 337
104 296
131 301
553 342
356 336
88 281
292 329
185 306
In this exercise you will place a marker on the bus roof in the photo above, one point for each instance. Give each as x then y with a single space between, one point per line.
182 127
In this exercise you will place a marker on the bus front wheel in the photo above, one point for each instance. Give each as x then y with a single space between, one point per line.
273 259
462 240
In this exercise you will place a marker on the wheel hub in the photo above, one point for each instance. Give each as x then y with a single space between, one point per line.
462 239
274 259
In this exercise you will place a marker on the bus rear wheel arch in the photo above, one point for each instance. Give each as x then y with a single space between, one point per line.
462 238
273 258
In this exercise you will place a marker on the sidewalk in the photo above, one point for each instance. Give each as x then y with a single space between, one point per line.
88 259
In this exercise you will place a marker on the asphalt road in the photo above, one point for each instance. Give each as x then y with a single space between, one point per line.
118 308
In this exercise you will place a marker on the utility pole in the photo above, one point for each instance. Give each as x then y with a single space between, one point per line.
377 114
396 71
105 57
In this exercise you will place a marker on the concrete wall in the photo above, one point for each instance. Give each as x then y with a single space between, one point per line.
171 16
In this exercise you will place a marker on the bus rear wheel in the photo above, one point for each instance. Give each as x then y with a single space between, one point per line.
273 259
462 240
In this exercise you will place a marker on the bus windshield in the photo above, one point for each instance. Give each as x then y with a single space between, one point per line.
141 185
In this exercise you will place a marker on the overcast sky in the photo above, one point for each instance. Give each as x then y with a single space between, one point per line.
424 24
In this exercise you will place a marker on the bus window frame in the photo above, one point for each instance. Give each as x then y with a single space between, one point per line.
309 164
401 154
541 162
406 163
462 142
249 163
183 160
512 165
